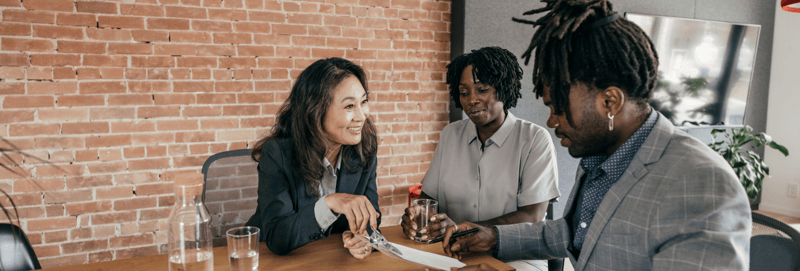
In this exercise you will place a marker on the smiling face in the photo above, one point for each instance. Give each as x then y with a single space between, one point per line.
479 102
590 135
347 113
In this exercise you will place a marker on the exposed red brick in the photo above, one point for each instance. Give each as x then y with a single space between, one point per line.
64 87
28 101
108 141
13 29
136 252
19 44
108 34
215 26
169 24
130 48
141 10
81 47
116 192
88 207
12 88
64 73
76 19
41 17
96 7
185 12
190 37
113 218
102 87
193 86
174 49
150 35
14 60
226 14
14 116
51 224
120 22
54 5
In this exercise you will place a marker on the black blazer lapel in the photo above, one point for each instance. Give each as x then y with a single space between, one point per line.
349 182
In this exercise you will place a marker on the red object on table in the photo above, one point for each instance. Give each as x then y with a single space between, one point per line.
413 193
790 5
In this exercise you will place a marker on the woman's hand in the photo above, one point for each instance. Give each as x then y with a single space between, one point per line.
360 249
436 227
481 241
408 224
358 210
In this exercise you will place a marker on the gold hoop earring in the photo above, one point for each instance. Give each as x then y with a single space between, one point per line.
610 122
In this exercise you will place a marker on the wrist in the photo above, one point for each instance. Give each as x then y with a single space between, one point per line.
496 242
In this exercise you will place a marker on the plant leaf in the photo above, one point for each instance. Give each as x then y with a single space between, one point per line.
778 147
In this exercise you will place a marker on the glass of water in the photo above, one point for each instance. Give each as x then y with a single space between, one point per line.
425 208
243 248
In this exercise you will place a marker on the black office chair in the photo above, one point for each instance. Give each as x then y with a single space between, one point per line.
774 246
229 191
16 252
554 264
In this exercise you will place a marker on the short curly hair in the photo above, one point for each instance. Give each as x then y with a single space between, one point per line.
494 66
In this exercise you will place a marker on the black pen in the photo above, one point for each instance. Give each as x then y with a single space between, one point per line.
470 231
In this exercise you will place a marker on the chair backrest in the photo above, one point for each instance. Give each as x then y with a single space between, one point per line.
231 191
554 264
774 245
16 252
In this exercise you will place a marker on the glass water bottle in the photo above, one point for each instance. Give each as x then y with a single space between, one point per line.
190 246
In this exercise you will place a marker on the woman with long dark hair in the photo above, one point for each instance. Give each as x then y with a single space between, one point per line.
323 126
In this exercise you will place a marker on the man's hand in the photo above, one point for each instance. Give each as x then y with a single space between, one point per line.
357 209
481 267
481 241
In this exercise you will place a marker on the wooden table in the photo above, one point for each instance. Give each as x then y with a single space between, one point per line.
325 254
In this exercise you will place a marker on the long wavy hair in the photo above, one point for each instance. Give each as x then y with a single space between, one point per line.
301 120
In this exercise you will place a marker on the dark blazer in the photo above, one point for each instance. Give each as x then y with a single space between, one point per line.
285 213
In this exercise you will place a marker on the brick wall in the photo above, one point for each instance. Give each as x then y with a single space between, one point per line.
114 98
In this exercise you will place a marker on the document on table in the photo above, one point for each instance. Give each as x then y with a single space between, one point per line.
425 258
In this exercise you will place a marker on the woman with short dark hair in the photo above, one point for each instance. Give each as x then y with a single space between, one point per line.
492 168
323 126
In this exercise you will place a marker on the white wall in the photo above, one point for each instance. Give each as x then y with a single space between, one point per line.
783 123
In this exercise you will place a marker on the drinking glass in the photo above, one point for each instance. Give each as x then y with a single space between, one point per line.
425 208
243 248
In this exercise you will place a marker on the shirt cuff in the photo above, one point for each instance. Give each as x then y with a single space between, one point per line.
325 217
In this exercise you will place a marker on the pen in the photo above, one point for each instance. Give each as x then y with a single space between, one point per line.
470 231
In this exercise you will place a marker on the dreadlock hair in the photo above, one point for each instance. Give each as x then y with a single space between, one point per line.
570 49
494 66
301 118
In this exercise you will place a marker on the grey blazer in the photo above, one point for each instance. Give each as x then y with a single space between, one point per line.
678 206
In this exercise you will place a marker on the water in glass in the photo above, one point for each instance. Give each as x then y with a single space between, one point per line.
245 260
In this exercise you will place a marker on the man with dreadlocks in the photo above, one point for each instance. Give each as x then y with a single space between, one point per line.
647 195
492 168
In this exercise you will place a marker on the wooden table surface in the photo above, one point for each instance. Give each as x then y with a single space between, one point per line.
325 254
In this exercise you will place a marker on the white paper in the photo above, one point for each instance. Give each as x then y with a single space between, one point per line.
426 258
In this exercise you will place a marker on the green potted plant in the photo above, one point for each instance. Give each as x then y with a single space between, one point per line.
747 164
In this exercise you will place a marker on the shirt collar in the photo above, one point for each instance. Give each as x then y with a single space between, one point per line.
327 164
623 155
499 136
